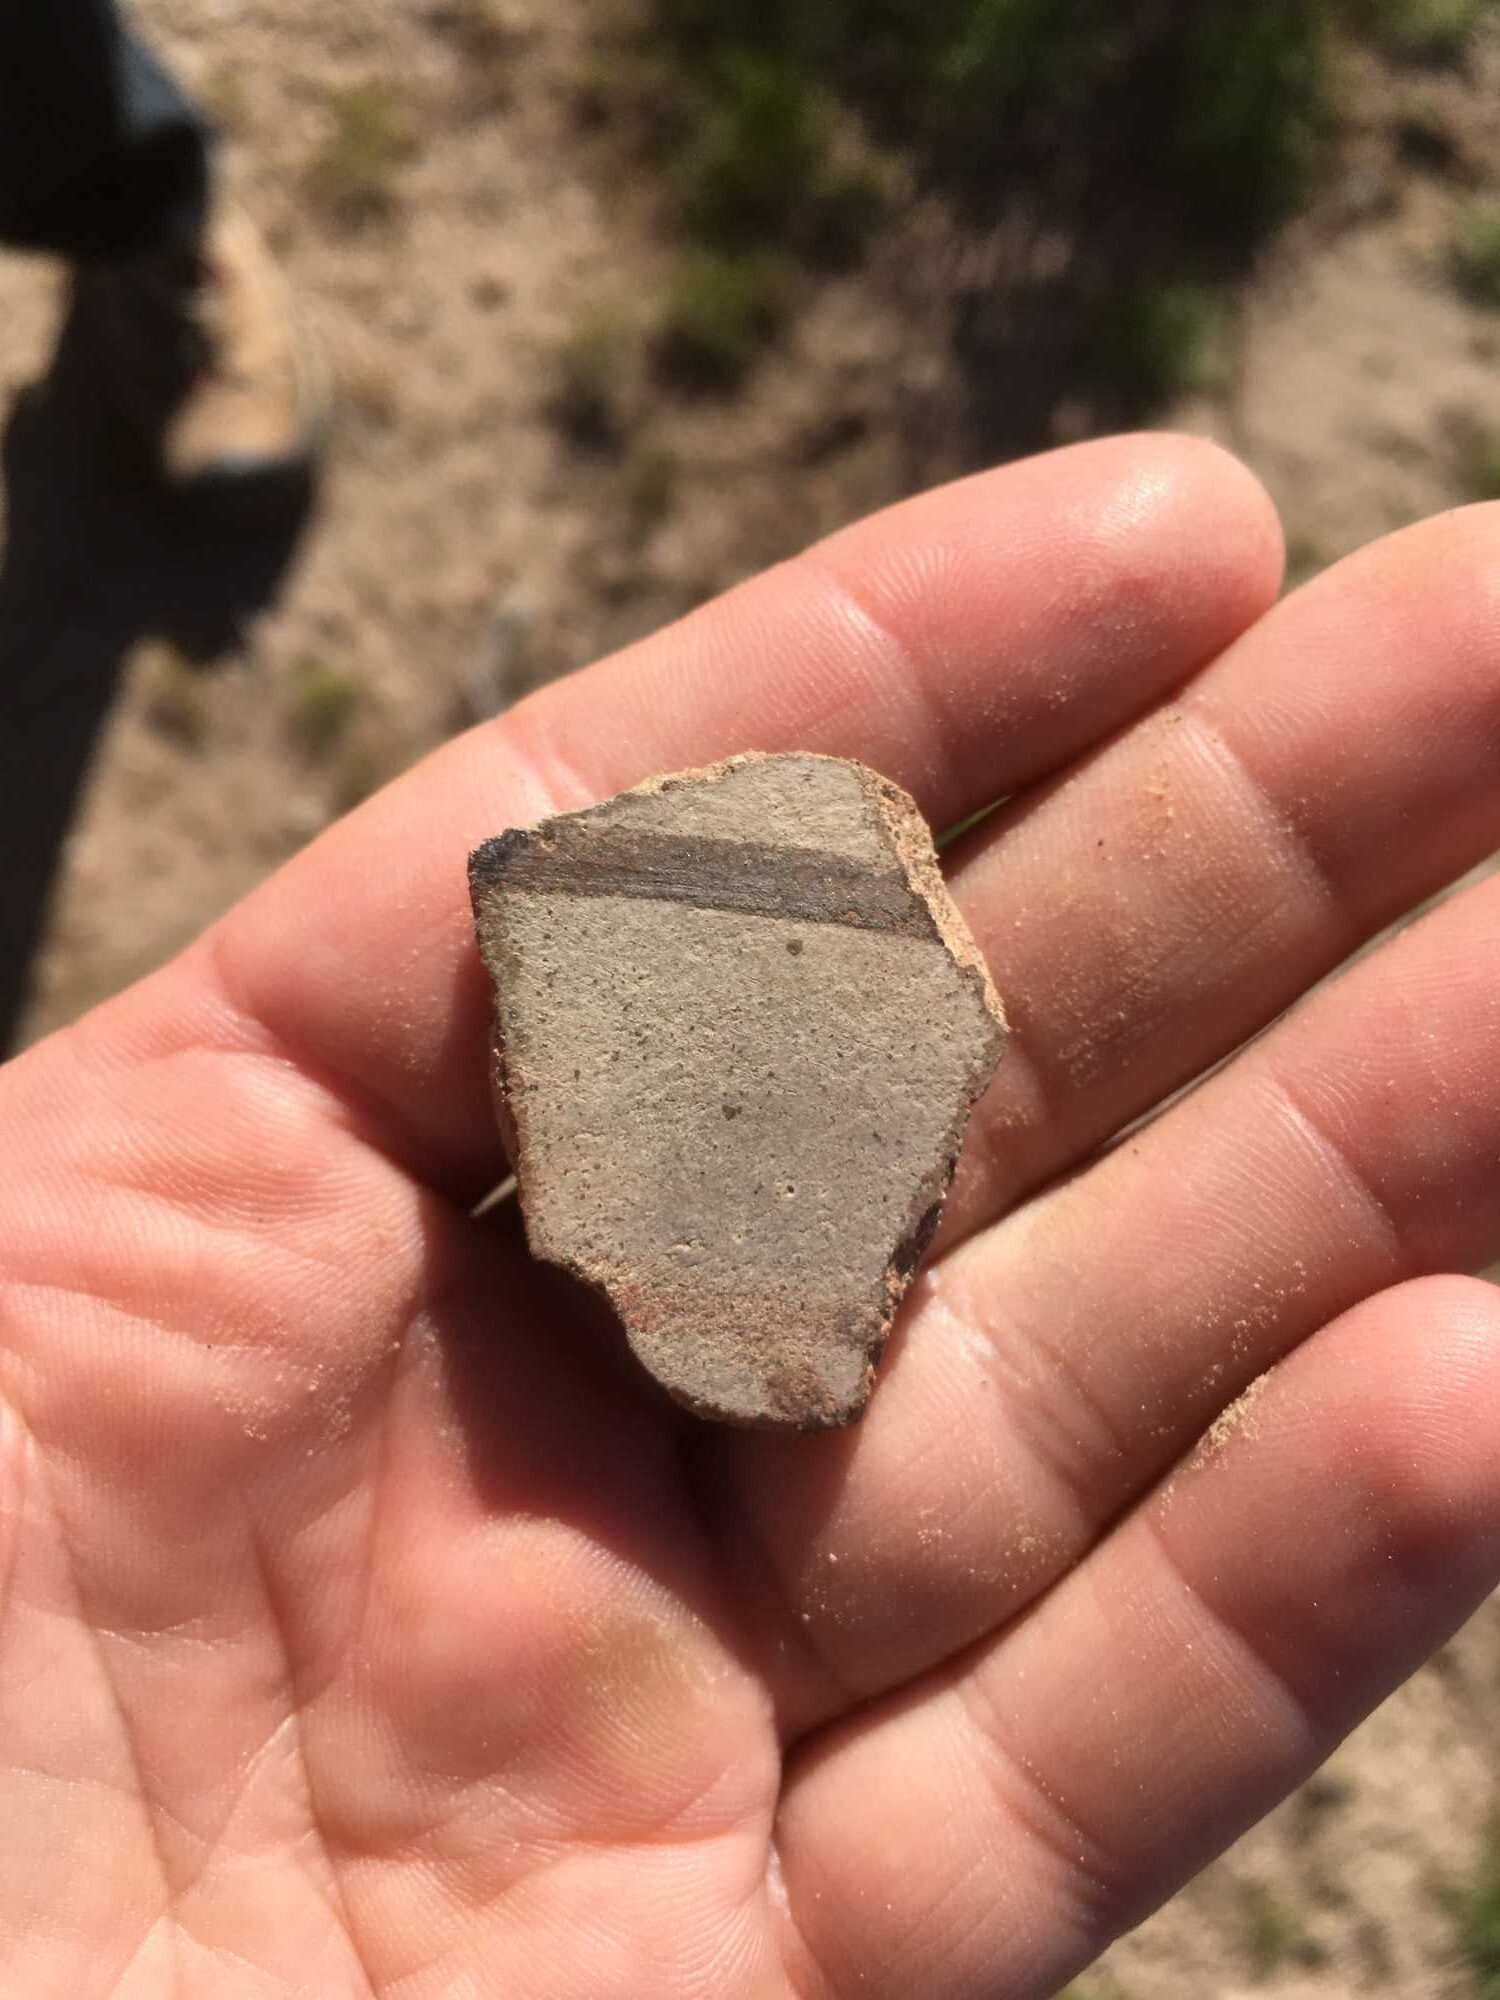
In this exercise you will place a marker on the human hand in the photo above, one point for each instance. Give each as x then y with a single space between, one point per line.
370 1626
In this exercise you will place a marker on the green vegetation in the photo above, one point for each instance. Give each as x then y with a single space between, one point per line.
368 390
1423 30
597 91
1477 462
175 694
480 29
1213 110
1095 1985
485 39
1425 141
1474 1908
352 176
1153 147
320 707
758 151
767 163
1187 131
1304 559
636 82
648 487
1243 147
1475 252
722 309
222 95
1328 1791
950 836
357 774
1175 339
589 373
853 196
1275 1934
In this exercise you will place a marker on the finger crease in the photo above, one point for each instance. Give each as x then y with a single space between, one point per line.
1057 1440
276 1619
1273 1684
733 1539
1334 1157
922 687
1091 1872
559 782
1292 842
128 1740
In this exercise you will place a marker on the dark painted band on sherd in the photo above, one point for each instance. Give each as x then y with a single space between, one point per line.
747 877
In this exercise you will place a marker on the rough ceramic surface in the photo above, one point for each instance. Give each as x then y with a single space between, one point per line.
739 1026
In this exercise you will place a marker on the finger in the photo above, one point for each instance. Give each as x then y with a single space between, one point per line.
1062 1781
964 643
1176 891
1052 1368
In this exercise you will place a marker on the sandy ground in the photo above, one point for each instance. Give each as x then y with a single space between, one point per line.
466 549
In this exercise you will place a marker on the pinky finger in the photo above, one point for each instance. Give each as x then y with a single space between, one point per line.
1061 1780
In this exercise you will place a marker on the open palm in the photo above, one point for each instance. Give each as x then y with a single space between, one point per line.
369 1626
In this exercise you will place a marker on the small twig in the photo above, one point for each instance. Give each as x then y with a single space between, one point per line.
494 1199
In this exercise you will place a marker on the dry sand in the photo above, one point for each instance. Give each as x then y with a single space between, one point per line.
461 535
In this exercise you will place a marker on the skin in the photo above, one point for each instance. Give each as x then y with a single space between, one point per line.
369 1626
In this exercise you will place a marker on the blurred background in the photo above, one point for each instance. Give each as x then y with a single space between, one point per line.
623 299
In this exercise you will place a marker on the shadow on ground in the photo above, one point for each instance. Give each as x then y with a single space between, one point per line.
95 559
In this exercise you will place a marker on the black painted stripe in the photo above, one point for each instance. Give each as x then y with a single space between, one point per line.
748 877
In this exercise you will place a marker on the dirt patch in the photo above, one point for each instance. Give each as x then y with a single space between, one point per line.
480 260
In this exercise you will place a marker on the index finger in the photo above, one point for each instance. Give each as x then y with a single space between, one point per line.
964 643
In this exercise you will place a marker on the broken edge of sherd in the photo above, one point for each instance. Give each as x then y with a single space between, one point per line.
490 861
